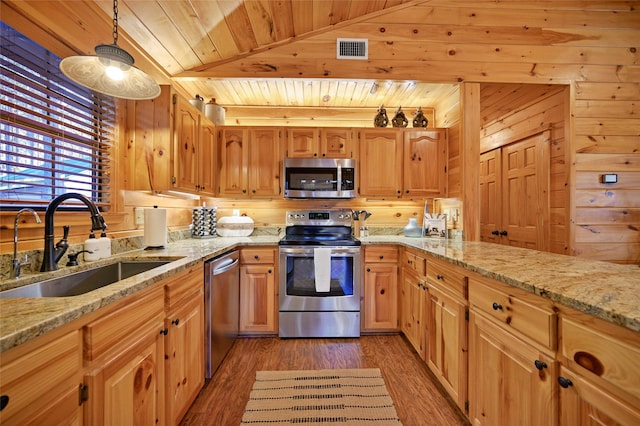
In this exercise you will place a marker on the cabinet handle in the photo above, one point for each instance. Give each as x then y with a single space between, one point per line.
244 191
496 232
382 291
253 190
4 401
176 321
420 285
164 331
269 271
439 277
315 154
503 233
256 257
564 382
496 306
540 364
368 269
324 155
381 257
409 261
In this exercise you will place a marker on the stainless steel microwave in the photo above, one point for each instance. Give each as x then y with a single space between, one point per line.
319 178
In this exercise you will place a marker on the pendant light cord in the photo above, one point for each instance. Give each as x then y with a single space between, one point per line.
115 21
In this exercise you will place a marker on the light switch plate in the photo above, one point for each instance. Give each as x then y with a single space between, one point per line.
609 178
139 215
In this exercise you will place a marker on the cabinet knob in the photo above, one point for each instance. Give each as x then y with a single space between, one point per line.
176 321
439 277
564 382
269 271
496 306
256 257
324 155
540 364
164 331
382 291
496 232
4 401
503 233
381 257
244 191
368 269
315 154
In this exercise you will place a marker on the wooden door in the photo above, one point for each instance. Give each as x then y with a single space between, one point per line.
447 343
303 142
425 163
583 403
336 143
412 311
381 296
525 193
207 169
264 162
186 138
184 360
490 196
505 387
380 162
258 299
233 145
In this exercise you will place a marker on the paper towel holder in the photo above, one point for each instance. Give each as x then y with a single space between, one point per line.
155 247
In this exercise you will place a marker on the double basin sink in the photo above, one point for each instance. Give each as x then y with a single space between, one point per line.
84 281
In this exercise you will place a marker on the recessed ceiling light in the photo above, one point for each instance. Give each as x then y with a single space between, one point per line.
326 98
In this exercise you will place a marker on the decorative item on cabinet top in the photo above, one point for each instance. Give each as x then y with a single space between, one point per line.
214 112
420 120
381 119
399 120
198 102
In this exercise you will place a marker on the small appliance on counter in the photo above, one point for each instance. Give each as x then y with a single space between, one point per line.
203 222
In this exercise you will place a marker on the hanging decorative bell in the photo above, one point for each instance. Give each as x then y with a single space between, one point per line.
381 119
420 120
400 120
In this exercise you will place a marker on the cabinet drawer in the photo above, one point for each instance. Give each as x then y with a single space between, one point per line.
415 262
605 350
381 254
449 277
40 376
257 255
125 323
182 286
529 314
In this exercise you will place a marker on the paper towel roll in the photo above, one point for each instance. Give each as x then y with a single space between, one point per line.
155 228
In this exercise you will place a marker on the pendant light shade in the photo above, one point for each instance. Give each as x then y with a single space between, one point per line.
111 71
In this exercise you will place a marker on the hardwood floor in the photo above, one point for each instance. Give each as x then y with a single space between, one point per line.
417 398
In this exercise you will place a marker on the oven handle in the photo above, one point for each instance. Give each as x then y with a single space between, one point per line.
308 250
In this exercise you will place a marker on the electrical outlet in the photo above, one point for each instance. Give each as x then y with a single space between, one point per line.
139 215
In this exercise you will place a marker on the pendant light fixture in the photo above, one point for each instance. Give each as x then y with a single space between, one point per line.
111 71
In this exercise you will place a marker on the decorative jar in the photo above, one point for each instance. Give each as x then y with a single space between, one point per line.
412 229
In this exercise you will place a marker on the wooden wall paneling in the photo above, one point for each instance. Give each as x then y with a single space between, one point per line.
470 149
454 170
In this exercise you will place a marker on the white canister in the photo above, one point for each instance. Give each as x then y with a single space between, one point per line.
198 102
214 112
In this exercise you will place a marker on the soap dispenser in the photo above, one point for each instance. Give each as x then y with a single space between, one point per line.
105 245
92 245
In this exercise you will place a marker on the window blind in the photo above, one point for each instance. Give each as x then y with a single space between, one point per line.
55 135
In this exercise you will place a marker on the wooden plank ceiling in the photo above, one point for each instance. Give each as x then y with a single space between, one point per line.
189 36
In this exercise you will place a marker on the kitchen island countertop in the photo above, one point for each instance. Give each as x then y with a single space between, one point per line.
605 290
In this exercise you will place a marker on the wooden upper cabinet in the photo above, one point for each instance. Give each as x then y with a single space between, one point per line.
380 162
425 163
186 134
249 161
314 142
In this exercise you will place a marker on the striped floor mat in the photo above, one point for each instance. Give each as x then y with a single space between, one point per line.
320 397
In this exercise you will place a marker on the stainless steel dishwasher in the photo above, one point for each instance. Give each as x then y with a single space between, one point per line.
221 308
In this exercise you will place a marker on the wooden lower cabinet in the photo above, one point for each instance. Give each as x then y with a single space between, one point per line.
41 385
258 291
184 342
380 289
511 382
413 301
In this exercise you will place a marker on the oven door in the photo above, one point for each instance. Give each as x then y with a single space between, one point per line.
298 286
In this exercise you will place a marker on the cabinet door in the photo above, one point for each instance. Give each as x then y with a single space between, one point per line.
381 296
233 145
207 169
413 307
425 163
583 403
303 142
336 143
447 347
184 360
258 309
380 162
490 192
129 388
505 386
187 134
264 162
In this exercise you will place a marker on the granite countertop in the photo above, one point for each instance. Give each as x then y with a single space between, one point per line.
605 290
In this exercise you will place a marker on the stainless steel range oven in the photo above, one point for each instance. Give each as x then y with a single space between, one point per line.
319 275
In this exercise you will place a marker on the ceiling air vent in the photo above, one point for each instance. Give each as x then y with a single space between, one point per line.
352 48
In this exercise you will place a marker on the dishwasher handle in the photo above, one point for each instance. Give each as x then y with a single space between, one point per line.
224 266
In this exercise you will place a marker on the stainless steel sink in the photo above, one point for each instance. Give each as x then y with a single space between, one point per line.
84 281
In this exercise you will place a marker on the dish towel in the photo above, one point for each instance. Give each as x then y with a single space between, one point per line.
322 266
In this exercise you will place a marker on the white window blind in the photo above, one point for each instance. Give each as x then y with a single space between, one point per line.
55 135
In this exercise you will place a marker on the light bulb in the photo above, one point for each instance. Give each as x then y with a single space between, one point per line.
114 73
